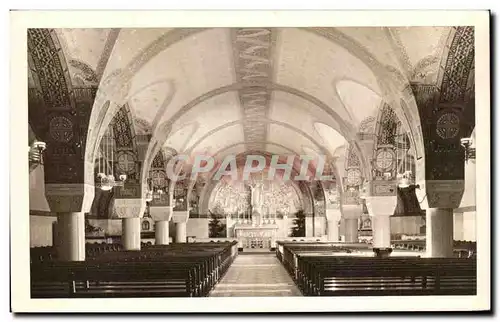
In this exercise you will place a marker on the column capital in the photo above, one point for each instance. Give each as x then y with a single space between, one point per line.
129 208
352 211
440 193
71 197
381 206
160 213
379 188
180 216
333 214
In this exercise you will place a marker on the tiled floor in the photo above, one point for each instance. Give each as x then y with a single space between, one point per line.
256 275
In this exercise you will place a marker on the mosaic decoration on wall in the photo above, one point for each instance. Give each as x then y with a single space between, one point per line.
387 127
352 158
159 181
234 198
458 65
122 129
51 68
58 113
253 65
367 125
446 120
181 195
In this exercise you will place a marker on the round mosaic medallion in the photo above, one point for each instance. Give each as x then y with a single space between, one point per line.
126 162
353 177
384 159
158 179
448 125
61 129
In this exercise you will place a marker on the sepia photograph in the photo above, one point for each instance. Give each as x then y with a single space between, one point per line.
301 160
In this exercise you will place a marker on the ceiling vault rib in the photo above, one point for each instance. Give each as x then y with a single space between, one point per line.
253 48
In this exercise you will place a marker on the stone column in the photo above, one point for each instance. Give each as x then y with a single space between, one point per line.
70 202
333 217
162 236
439 232
161 216
70 234
381 208
440 198
458 226
351 230
131 233
309 223
285 226
180 219
180 232
55 235
131 212
351 214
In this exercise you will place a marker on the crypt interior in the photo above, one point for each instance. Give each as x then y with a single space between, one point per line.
390 110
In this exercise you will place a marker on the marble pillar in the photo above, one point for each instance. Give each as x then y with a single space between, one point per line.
380 209
162 232
333 217
131 233
180 218
70 236
180 232
439 232
161 215
351 215
351 230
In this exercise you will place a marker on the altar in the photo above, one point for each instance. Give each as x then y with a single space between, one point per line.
256 237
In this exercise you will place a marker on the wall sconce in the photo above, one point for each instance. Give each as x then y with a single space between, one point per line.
157 193
35 153
405 180
470 152
107 181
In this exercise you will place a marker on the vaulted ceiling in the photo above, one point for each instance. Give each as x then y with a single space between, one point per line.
231 90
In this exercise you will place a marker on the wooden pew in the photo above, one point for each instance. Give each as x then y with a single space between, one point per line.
335 270
188 270
461 248
348 276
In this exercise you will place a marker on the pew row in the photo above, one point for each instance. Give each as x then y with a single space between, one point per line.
319 270
178 270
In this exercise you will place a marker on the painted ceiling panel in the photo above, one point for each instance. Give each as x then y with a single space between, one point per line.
298 112
287 137
312 63
431 41
178 139
331 138
359 100
220 140
193 66
147 100
423 56
129 44
375 40
84 45
211 114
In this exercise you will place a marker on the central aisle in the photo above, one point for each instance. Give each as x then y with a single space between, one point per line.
256 275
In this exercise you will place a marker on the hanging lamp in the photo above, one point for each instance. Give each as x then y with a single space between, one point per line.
406 178
105 177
